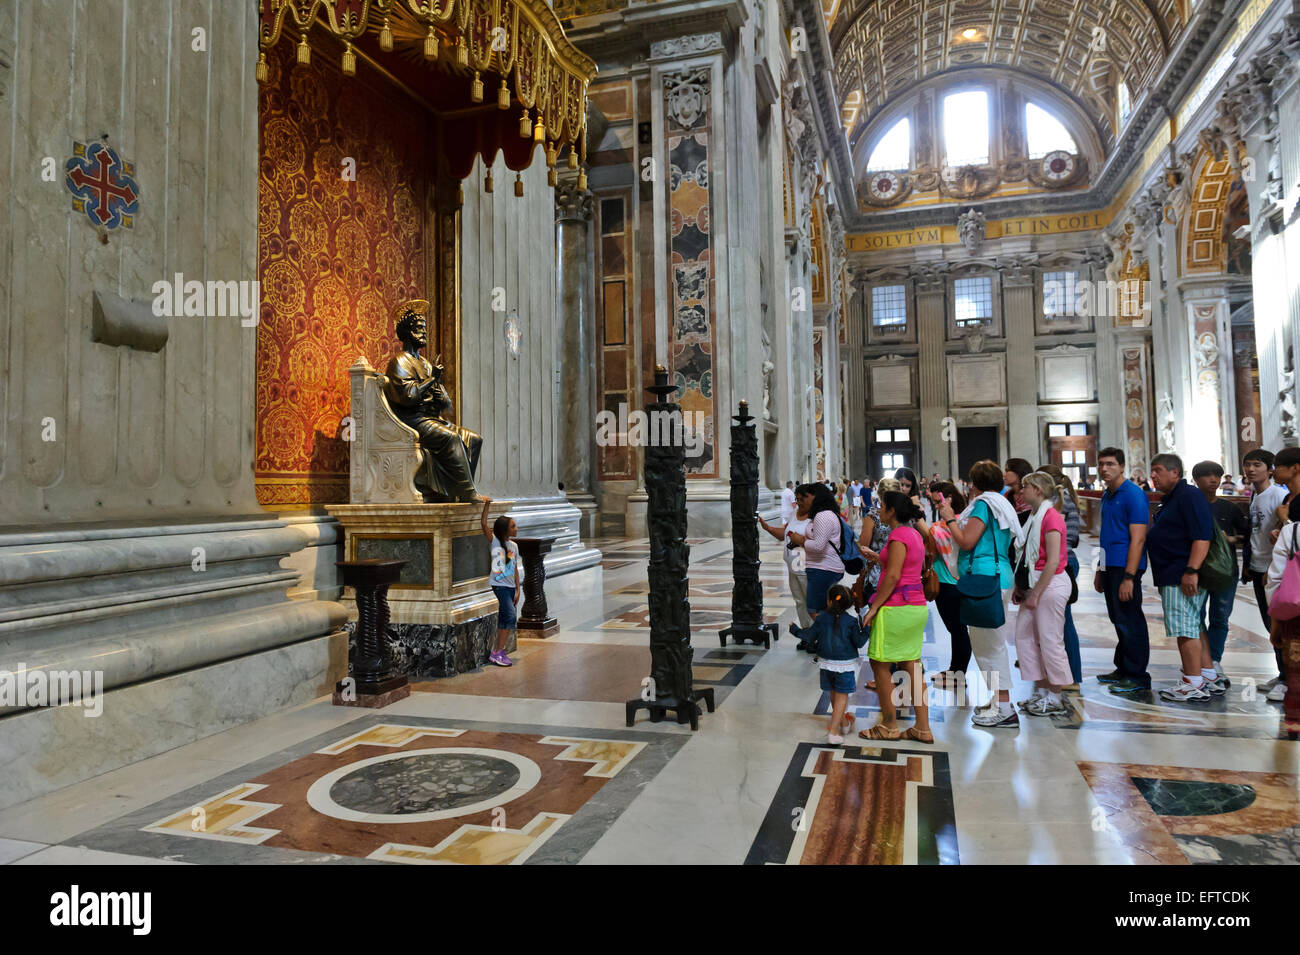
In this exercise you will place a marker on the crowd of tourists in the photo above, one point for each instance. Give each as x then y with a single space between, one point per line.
866 559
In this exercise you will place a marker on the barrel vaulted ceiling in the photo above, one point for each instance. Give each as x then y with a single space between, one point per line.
883 47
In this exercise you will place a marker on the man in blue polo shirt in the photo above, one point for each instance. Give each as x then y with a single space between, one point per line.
1177 545
1124 513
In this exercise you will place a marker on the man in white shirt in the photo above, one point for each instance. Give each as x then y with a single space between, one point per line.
788 505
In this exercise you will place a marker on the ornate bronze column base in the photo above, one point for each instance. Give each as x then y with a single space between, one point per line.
764 633
374 681
534 616
687 711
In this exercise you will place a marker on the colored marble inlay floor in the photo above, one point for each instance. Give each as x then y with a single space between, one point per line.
535 764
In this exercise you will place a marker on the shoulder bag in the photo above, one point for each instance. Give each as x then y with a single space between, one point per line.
981 594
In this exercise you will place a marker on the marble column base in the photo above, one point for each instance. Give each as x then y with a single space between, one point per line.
376 701
48 748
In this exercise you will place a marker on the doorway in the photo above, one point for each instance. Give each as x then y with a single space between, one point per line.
975 444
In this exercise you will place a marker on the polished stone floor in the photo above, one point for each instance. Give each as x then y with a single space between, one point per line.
535 764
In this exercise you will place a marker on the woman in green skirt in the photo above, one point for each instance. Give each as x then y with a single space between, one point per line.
897 620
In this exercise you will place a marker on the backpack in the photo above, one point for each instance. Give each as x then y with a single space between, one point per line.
1216 570
848 549
1285 602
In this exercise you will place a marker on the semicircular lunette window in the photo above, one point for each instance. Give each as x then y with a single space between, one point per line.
1044 133
893 153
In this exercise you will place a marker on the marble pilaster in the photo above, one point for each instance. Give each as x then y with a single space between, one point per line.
577 344
1023 438
937 454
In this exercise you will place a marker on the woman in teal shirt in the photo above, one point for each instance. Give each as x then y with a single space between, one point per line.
986 553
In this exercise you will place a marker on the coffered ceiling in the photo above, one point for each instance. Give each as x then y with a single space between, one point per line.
883 47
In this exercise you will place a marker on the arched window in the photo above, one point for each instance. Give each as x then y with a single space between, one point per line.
1044 133
893 153
966 128
1125 103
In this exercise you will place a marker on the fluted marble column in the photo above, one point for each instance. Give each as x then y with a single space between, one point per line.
931 284
577 342
1023 439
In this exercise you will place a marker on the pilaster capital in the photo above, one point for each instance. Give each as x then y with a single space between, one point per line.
683 46
930 278
1017 270
571 203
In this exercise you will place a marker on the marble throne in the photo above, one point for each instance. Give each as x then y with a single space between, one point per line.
443 612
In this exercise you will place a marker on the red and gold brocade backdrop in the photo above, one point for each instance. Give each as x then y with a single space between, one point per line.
334 257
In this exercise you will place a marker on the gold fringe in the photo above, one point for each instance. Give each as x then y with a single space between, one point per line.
431 45
519 184
552 177
263 69
550 155
539 131
487 183
349 61
582 181
386 37
525 126
462 52
476 89
304 52
503 95
573 157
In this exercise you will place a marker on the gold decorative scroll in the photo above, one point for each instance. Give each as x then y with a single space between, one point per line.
516 50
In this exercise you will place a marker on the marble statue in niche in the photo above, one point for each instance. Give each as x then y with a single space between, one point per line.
768 368
1167 439
1286 400
417 395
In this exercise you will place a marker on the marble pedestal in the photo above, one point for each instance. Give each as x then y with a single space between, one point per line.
443 613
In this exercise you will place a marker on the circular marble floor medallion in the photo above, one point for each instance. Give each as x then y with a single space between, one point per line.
423 785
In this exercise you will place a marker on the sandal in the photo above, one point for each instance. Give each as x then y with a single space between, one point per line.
914 734
869 684
879 732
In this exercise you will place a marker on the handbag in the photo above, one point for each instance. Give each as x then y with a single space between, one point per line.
1074 583
1285 602
981 594
930 576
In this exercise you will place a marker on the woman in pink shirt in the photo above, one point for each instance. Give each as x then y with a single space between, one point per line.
897 618
1040 625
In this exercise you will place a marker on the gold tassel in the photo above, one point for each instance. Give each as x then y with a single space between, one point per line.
550 155
573 157
476 89
349 61
519 184
552 177
539 131
386 37
431 45
304 52
582 181
487 183
525 127
263 70
462 52
503 95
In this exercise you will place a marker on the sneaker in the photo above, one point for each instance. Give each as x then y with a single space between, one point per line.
1277 694
1130 685
833 739
1039 693
500 659
1268 685
992 716
1114 676
1044 706
1218 686
1184 692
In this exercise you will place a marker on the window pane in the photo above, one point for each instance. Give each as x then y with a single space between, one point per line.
1079 427
1045 133
889 306
893 152
884 434
1059 293
973 300
966 127
1125 103
1056 431
902 434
